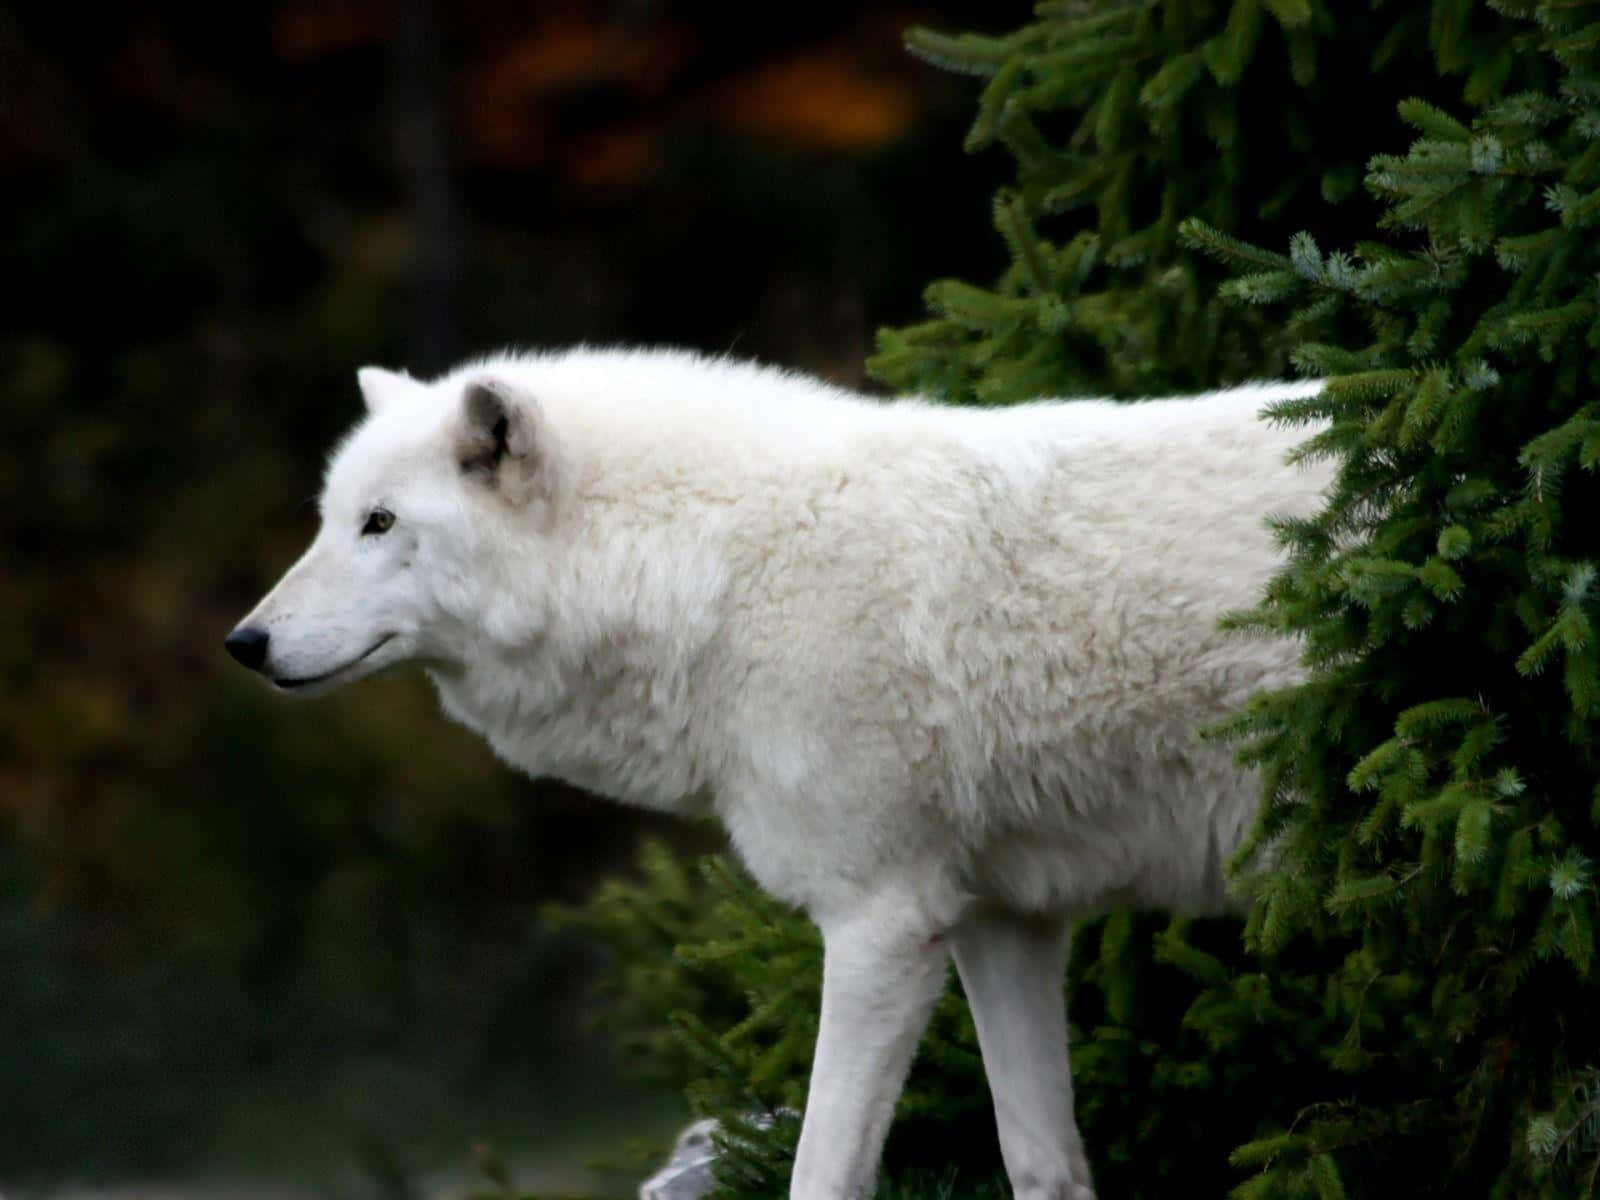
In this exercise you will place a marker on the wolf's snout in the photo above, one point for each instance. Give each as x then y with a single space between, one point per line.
248 645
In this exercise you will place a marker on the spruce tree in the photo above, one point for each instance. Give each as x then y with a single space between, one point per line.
1432 792
1124 119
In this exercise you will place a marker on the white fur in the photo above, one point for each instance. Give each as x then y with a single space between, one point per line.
936 670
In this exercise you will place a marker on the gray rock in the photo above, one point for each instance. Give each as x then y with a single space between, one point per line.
687 1174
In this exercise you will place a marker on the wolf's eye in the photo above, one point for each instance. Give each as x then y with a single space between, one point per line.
378 521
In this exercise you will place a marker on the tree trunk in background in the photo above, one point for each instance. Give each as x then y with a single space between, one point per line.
419 121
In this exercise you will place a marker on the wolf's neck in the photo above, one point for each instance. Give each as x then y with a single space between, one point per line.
615 695
624 729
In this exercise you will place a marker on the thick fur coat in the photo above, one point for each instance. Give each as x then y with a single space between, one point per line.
936 670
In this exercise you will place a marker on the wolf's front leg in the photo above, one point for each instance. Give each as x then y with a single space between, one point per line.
882 970
1011 968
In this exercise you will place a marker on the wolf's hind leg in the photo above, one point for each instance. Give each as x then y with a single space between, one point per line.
1011 968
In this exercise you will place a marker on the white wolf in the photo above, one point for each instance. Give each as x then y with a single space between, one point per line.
936 670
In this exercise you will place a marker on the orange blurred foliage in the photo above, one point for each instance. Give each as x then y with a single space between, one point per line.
306 31
524 101
823 99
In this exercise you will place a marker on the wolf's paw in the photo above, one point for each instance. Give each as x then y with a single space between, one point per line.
1055 1191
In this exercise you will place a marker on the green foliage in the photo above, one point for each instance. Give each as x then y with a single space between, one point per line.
713 989
498 1183
1431 811
1125 118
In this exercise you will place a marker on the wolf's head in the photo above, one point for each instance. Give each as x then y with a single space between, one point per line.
426 505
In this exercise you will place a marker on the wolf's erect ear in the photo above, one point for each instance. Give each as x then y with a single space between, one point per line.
505 442
380 386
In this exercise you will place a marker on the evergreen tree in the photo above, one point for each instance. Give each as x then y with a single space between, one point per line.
1125 118
1433 790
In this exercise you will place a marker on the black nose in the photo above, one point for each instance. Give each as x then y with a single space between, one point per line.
248 645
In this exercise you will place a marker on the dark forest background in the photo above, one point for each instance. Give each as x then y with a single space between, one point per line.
251 939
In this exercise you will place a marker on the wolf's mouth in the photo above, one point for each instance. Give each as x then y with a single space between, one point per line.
306 680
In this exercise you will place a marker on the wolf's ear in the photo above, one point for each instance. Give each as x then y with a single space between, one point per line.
379 386
504 441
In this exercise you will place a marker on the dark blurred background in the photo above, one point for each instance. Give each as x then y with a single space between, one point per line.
299 945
